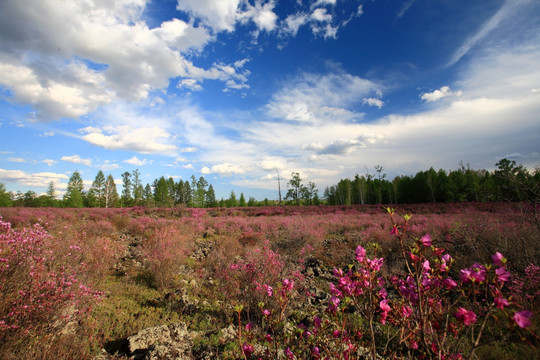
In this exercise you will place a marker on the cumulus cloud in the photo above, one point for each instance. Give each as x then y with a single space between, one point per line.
67 91
224 169
315 98
145 140
337 147
83 56
439 94
293 22
190 84
373 102
493 116
137 162
321 14
324 2
263 16
272 163
40 179
218 15
76 159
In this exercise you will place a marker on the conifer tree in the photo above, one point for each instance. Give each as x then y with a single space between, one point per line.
74 195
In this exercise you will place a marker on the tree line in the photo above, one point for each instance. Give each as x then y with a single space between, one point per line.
509 182
163 192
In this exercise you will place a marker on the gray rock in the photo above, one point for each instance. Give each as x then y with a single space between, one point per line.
161 342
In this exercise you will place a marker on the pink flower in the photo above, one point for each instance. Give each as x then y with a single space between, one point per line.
385 308
414 258
333 304
523 318
406 311
502 274
247 349
449 283
317 321
376 264
289 353
287 285
315 352
476 273
394 231
467 316
269 290
337 272
426 240
266 312
360 253
501 302
498 259
426 266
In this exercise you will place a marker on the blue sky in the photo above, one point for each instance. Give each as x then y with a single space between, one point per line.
239 90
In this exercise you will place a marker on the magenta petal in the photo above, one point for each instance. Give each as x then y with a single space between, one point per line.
523 318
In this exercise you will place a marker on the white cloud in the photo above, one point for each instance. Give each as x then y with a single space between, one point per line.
373 102
137 162
272 163
264 17
324 2
311 123
337 147
145 140
316 98
190 84
321 14
40 179
81 91
49 162
18 160
293 23
108 166
188 149
360 10
405 7
224 169
506 12
84 54
439 94
218 15
76 159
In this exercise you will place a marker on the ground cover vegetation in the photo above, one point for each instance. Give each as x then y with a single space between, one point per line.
433 281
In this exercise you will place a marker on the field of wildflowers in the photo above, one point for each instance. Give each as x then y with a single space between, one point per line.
445 281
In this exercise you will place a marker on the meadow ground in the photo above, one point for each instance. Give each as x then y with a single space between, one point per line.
271 282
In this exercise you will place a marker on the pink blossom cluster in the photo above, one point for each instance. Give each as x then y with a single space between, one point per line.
35 288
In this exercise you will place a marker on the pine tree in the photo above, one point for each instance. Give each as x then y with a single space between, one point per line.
242 201
111 195
211 197
74 195
126 190
138 189
97 190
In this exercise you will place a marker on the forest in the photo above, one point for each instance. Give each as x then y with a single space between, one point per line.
509 182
